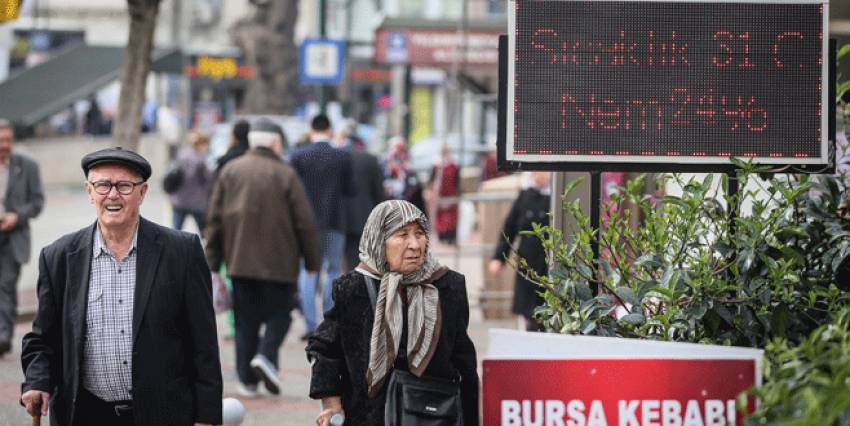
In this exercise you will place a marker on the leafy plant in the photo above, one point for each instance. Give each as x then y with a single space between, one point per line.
767 268
698 271
808 384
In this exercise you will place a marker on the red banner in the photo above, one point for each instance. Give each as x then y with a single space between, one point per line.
436 47
621 392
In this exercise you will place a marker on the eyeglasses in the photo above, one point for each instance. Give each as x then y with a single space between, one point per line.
124 187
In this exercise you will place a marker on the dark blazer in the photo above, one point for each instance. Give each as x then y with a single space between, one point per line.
339 349
176 368
370 190
530 207
327 176
24 196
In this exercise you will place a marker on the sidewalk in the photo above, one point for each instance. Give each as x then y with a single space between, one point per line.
68 210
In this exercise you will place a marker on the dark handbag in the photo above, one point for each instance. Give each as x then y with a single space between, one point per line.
419 401
422 401
173 179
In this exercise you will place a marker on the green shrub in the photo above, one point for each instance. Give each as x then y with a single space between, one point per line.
808 384
696 270
700 268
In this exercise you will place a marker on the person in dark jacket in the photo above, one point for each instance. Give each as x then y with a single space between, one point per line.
419 324
125 330
327 177
238 145
531 206
369 192
260 225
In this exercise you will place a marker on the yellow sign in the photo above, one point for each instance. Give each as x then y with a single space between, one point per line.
217 68
421 114
9 10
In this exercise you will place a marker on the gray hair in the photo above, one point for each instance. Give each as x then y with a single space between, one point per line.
5 124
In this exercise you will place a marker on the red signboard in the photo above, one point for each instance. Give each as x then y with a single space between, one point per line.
620 392
436 47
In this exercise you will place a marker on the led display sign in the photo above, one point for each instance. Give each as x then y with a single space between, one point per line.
667 82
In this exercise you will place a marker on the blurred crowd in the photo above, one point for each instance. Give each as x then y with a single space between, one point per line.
322 186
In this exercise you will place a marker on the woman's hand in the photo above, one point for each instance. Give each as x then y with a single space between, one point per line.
330 405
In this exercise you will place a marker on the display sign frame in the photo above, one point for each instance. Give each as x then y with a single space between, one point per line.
508 159
572 378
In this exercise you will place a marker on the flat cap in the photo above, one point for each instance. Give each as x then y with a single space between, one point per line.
117 155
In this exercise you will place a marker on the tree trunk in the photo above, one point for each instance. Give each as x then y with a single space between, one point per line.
268 42
137 64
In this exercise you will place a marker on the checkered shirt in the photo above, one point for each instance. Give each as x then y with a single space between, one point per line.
108 362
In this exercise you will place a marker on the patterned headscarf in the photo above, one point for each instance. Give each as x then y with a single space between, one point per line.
423 302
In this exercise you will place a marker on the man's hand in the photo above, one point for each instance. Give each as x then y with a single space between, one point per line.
203 424
35 402
495 266
9 222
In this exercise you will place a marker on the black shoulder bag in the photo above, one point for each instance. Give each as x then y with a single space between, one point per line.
419 401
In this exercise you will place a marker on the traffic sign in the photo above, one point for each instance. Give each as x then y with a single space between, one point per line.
322 61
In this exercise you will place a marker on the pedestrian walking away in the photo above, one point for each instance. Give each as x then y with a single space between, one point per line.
21 199
191 197
531 206
369 192
260 225
238 144
328 178
417 328
125 331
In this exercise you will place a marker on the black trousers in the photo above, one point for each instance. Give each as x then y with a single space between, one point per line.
255 303
92 410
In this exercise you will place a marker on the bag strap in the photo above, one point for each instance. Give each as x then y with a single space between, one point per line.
370 287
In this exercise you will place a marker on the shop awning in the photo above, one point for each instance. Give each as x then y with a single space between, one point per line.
50 87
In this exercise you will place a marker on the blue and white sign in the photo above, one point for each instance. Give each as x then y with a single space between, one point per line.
321 61
397 52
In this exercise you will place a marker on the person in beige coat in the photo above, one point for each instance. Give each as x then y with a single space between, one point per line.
260 224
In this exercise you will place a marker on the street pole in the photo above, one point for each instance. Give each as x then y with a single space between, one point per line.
323 33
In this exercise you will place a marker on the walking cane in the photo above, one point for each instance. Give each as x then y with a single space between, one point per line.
36 419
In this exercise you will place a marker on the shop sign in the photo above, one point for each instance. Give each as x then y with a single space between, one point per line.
555 380
217 68
436 47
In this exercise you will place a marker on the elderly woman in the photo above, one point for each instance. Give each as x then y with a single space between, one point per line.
418 324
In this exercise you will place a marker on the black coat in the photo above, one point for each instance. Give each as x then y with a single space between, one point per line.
328 178
176 369
232 153
340 349
369 192
530 207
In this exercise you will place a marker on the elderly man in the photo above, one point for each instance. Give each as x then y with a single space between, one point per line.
260 225
125 330
21 199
